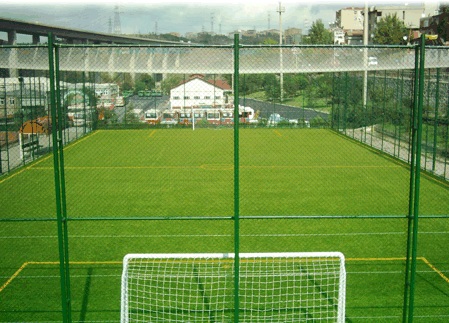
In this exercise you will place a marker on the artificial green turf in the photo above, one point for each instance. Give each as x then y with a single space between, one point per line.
179 172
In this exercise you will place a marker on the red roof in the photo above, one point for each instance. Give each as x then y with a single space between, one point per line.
222 84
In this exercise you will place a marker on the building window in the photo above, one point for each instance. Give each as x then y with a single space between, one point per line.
207 97
186 97
11 100
217 97
196 97
176 98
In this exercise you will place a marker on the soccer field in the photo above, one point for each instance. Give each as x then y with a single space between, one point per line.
172 191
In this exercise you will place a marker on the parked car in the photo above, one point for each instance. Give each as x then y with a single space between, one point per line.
275 118
372 60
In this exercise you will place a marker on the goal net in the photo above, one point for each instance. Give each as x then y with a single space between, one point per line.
272 287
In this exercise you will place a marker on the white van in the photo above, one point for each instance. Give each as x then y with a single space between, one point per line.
372 60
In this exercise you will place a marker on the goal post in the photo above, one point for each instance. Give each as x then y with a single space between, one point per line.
273 287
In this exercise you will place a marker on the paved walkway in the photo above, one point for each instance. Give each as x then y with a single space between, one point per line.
399 149
11 158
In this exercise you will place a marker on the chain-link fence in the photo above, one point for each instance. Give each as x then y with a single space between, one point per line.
225 149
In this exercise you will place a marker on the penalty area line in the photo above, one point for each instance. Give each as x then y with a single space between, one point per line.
435 269
13 276
53 263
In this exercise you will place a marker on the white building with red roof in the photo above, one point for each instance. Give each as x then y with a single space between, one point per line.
199 92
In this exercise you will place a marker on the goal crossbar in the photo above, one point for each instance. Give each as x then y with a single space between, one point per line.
199 287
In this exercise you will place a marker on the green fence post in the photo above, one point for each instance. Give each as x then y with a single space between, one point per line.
61 124
414 127
417 178
345 107
435 127
236 182
60 205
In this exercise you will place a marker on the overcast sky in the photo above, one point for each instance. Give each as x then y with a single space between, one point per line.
150 16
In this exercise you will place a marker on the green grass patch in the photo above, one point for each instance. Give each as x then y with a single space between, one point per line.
114 177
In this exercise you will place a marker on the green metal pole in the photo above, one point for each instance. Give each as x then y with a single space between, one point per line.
397 128
373 115
417 179
401 109
61 123
332 102
345 107
435 127
236 182
427 110
414 126
446 138
384 107
64 298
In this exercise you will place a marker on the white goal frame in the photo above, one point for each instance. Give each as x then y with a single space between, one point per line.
319 274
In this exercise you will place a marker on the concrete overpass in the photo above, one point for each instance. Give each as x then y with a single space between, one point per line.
66 35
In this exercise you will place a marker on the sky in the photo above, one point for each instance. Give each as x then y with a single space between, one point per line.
181 16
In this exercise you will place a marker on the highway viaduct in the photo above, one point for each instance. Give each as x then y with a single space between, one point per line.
70 36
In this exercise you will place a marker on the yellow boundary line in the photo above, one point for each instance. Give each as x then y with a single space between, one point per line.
25 264
435 269
13 276
222 167
53 263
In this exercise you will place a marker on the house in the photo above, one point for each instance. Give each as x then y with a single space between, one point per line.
198 92
8 105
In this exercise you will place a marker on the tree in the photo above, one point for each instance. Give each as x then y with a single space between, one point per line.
270 41
390 30
171 82
144 82
130 115
251 83
294 83
319 35
272 87
443 23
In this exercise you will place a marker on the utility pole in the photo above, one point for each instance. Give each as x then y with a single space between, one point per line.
281 10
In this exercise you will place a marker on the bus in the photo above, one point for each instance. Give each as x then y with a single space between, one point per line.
153 116
199 115
227 116
128 93
246 114
185 117
213 116
169 117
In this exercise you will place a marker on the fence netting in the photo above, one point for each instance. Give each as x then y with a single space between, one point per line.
165 149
